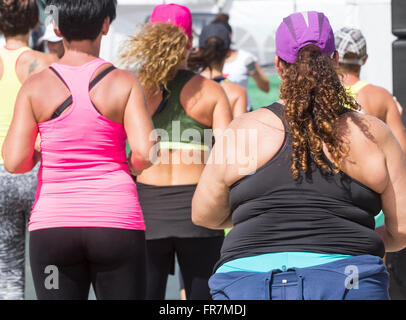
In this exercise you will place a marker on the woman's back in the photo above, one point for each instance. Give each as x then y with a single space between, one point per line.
320 174
361 141
203 104
84 178
237 95
16 65
323 212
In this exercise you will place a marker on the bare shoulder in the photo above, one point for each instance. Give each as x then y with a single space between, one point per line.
201 92
363 128
37 61
201 84
259 119
375 95
234 86
377 90
125 77
234 89
45 59
37 84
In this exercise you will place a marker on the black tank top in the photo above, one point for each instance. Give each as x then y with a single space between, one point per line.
323 213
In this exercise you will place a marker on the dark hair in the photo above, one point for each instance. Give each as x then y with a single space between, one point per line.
18 17
83 19
314 100
223 19
214 53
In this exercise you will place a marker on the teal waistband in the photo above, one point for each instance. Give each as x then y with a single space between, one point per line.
279 260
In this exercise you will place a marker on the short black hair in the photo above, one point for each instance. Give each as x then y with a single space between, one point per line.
18 17
83 19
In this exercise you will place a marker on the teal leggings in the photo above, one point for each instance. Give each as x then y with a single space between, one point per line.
379 220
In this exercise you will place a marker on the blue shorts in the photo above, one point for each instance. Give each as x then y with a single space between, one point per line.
355 278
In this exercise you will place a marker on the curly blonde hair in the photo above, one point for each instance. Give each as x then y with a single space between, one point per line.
155 54
314 100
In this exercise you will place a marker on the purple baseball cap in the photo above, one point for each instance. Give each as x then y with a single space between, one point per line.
302 29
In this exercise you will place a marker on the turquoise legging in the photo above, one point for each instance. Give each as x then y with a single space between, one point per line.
379 220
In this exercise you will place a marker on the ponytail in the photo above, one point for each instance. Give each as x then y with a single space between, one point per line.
314 100
213 54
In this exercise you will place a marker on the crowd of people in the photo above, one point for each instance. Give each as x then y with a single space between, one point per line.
120 170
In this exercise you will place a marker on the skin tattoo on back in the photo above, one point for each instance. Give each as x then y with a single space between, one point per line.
33 66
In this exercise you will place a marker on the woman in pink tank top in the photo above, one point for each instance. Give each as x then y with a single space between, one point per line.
86 222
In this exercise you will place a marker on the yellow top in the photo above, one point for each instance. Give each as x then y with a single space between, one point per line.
9 87
355 89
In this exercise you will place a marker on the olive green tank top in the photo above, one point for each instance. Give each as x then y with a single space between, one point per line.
177 130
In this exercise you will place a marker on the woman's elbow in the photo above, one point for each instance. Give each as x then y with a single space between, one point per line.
266 87
141 159
197 221
197 218
10 169
141 163
13 167
401 234
10 165
201 220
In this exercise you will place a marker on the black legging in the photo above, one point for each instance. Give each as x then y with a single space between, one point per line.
112 260
196 257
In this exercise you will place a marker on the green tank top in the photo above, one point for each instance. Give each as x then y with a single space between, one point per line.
176 129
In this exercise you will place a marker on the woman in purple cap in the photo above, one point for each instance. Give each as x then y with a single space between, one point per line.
304 219
185 107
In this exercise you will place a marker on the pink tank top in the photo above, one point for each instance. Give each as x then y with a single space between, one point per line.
84 180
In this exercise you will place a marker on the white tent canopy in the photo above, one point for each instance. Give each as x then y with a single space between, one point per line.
255 22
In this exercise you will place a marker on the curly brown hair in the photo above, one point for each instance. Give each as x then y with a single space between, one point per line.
18 17
314 100
155 54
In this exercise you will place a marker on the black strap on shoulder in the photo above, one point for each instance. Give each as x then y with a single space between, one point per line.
99 77
59 76
69 100
66 103
219 79
162 105
62 108
277 109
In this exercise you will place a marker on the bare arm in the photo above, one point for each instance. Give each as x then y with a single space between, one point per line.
210 205
240 105
394 121
394 198
237 97
139 127
378 102
222 114
399 106
260 78
19 146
